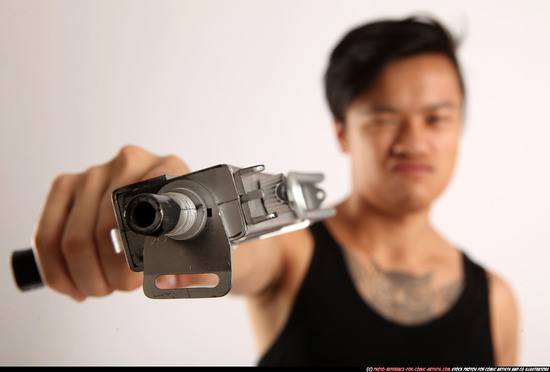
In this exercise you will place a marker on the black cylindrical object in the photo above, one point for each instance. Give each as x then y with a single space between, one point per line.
25 270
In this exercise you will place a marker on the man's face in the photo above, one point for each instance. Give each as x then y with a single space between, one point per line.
403 134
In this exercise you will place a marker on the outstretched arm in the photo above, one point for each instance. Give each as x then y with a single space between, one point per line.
73 243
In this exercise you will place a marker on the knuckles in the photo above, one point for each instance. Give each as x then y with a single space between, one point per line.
54 279
130 155
93 177
131 151
64 183
174 162
75 245
43 239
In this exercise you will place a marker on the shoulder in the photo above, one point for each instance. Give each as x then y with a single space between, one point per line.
501 299
500 290
504 320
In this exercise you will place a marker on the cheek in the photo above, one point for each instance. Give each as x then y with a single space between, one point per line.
372 146
447 149
369 154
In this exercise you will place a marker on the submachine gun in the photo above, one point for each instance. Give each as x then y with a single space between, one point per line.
186 225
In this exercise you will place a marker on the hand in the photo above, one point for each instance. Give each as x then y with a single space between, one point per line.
72 239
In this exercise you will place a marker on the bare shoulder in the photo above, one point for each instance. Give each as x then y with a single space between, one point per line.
504 320
500 289
502 299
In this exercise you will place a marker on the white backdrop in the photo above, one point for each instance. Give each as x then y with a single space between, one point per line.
239 82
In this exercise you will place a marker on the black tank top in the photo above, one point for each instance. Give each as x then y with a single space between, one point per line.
331 324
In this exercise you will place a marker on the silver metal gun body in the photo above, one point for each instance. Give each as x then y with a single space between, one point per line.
187 224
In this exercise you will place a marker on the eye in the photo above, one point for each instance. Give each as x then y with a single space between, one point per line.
384 121
437 119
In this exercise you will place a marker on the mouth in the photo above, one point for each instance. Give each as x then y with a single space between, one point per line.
412 169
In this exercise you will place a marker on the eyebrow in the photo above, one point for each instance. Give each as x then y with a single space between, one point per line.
438 106
381 108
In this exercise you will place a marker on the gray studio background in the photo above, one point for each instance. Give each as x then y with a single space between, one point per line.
239 82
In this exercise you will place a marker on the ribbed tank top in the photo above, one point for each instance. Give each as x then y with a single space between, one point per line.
331 325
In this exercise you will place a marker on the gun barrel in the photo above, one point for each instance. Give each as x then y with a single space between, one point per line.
179 214
152 214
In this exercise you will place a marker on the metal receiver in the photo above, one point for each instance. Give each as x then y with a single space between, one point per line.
186 225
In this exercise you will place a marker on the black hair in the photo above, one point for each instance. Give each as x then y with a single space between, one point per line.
364 51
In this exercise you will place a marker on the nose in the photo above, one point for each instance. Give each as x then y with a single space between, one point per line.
411 140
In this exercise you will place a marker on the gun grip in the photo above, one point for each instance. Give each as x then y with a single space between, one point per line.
25 270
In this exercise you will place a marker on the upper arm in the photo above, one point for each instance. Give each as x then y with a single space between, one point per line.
272 266
257 265
504 321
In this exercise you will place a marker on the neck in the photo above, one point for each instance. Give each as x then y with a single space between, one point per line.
395 237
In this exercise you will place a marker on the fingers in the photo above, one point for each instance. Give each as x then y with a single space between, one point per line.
72 240
130 166
49 231
78 245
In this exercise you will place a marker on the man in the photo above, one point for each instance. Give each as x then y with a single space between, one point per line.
374 285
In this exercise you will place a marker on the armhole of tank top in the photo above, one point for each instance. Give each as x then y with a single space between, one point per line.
276 344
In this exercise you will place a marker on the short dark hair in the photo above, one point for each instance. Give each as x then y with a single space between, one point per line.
364 51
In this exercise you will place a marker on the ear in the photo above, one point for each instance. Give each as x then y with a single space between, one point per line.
340 130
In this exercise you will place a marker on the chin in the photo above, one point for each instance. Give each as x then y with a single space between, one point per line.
401 198
402 203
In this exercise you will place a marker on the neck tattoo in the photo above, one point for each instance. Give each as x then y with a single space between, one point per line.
400 297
